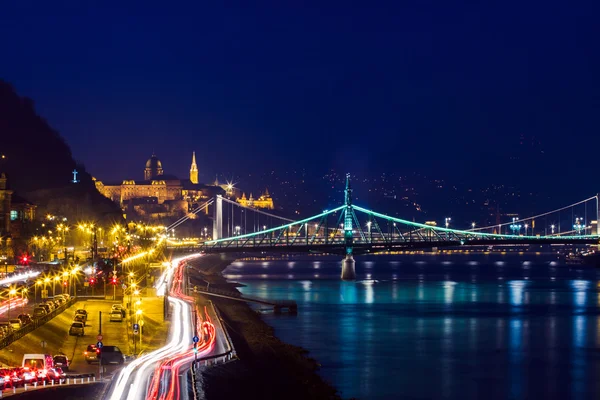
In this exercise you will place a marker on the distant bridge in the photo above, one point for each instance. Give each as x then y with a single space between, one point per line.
341 231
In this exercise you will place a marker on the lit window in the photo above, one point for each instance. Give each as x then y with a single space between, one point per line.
14 214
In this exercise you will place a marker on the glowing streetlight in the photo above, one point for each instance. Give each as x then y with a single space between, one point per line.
526 226
552 227
472 225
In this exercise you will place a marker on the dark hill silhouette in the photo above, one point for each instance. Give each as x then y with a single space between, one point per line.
39 164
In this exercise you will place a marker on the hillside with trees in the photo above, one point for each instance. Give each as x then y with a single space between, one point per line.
39 164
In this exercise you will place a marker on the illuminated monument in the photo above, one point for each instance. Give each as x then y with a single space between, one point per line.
264 201
177 195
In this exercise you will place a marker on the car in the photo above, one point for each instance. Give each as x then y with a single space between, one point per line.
82 315
25 319
57 303
16 377
15 323
118 307
76 329
116 316
79 318
39 312
7 327
37 361
50 374
50 304
46 307
66 296
61 361
81 311
91 353
6 381
26 375
111 354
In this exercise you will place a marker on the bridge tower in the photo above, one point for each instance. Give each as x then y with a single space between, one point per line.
218 218
348 264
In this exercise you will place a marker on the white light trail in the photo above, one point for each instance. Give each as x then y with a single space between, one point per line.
19 277
132 380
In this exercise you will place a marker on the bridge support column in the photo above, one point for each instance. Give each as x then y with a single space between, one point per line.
348 269
218 219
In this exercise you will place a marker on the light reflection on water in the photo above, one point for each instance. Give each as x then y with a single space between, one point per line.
472 329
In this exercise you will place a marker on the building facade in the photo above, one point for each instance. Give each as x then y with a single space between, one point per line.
16 213
159 188
264 201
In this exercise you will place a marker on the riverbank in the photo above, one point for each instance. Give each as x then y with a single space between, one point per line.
267 367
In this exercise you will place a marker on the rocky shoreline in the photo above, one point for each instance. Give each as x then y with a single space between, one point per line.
267 367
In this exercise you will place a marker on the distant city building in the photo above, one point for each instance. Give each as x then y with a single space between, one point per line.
264 201
159 188
194 169
15 212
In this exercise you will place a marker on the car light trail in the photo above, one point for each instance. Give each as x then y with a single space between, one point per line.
132 382
13 303
19 277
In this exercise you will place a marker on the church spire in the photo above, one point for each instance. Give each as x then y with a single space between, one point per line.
194 169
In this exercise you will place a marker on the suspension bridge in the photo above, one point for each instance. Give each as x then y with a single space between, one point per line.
351 230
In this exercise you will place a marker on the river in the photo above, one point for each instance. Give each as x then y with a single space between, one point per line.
446 326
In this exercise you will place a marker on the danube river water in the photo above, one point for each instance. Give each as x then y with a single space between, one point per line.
461 326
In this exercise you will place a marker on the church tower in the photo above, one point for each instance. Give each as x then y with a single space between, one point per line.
194 169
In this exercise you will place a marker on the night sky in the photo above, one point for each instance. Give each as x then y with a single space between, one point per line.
471 91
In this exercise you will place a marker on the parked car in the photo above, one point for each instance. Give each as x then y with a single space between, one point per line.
76 329
116 316
47 308
61 361
50 304
25 319
57 303
91 353
39 312
6 327
79 318
118 307
15 323
111 354
82 315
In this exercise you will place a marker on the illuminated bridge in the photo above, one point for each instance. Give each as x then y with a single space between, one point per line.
350 229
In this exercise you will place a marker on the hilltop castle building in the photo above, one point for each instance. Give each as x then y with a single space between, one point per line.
176 196
264 201
162 195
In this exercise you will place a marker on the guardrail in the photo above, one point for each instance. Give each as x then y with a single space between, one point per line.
19 333
214 359
67 380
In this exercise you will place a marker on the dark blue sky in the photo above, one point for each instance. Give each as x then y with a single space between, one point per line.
446 88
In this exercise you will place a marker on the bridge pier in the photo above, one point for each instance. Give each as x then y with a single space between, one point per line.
348 270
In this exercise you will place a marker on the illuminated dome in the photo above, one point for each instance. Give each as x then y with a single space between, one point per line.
153 168
153 162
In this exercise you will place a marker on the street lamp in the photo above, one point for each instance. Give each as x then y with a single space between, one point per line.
552 227
578 225
37 283
472 225
447 222
516 228
237 230
369 230
56 279
526 226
